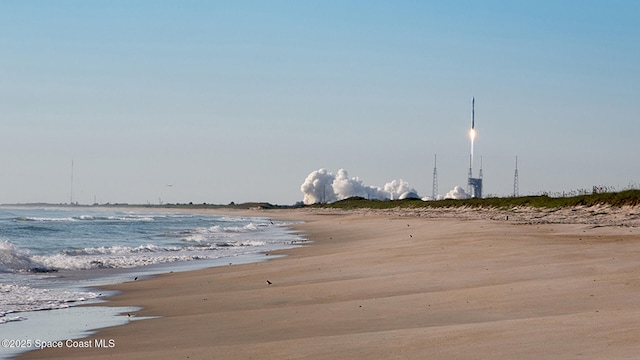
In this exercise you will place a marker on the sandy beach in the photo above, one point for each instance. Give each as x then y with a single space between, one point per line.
405 284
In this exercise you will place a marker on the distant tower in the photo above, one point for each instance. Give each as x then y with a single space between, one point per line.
434 189
469 188
71 193
516 186
474 185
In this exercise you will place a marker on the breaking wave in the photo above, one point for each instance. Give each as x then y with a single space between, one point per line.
37 245
85 218
13 259
14 298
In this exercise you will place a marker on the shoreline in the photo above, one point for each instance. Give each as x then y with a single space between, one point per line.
396 284
25 327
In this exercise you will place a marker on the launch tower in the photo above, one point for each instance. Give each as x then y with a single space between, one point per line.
434 189
516 186
475 184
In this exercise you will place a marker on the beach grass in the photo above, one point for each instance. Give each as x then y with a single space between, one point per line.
617 199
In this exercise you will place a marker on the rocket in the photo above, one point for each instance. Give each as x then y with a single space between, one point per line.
473 104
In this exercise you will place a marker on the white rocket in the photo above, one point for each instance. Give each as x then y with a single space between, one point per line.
473 104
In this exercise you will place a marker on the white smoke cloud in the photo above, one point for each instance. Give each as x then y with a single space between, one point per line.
322 186
457 193
318 187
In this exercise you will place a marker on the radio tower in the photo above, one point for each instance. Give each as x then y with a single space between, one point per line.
434 189
71 194
516 189
469 186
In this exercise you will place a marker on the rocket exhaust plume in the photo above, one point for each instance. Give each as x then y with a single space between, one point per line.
472 136
321 186
472 132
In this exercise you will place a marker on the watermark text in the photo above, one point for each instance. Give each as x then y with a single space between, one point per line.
102 343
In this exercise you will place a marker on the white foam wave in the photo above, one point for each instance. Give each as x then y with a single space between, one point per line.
215 234
86 218
250 227
16 298
241 243
43 219
6 319
121 250
234 219
66 262
13 259
197 244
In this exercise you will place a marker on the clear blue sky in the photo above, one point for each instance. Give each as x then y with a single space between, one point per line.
240 100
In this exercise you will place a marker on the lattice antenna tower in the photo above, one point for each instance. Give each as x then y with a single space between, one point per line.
470 174
71 193
516 186
434 189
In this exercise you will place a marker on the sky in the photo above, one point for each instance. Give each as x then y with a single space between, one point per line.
237 101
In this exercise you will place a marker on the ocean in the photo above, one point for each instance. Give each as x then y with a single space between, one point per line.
55 258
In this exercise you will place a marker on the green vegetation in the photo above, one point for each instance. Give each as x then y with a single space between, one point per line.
242 206
622 198
627 197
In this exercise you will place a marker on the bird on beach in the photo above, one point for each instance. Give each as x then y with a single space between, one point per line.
269 282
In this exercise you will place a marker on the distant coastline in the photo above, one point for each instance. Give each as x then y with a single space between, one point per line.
615 199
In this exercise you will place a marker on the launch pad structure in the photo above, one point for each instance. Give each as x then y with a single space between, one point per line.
474 185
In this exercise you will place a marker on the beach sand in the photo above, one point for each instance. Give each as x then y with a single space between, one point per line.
398 284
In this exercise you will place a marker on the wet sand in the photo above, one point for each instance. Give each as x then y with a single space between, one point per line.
399 284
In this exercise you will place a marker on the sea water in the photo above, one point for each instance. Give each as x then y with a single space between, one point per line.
54 258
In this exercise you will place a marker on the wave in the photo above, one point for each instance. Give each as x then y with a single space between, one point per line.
66 262
18 298
85 218
117 257
13 259
241 243
128 257
69 241
43 219
250 227
216 232
121 250
6 319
